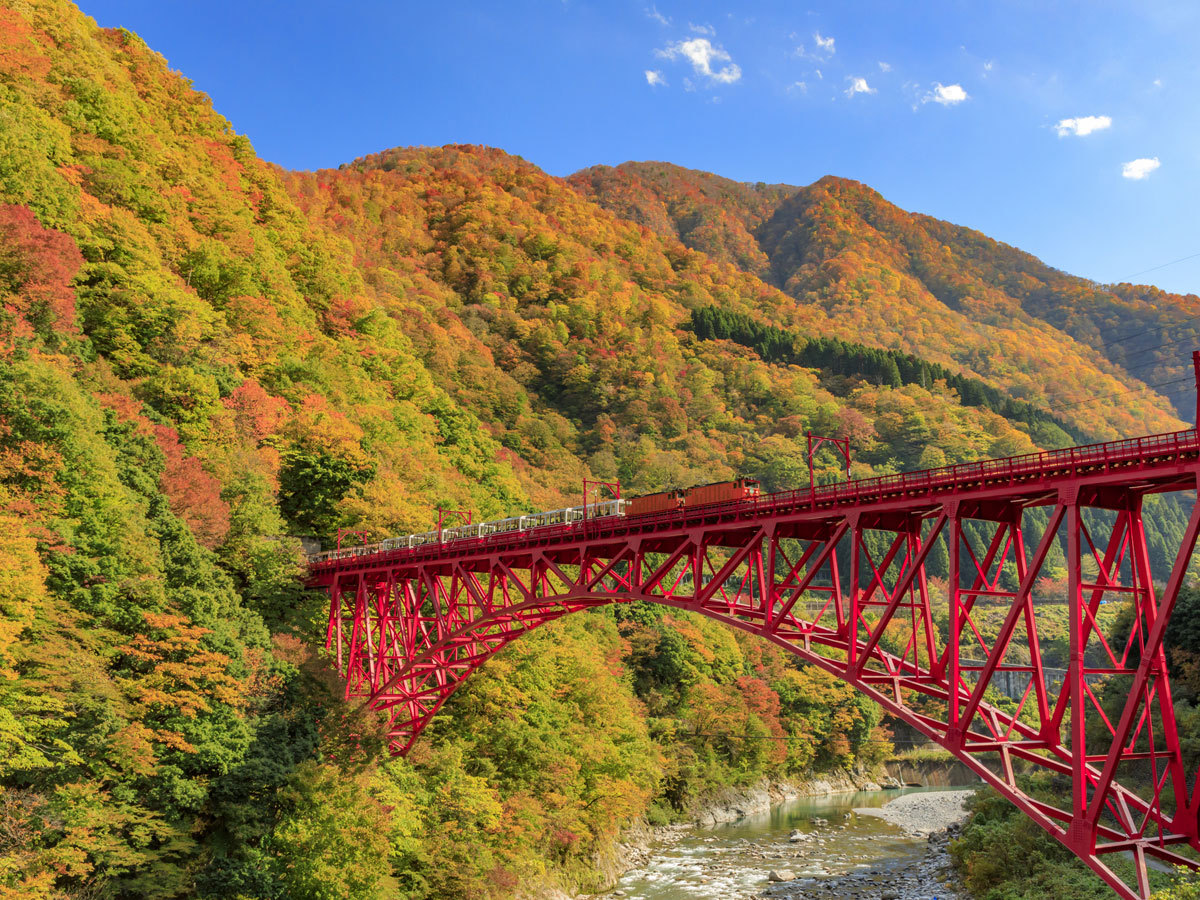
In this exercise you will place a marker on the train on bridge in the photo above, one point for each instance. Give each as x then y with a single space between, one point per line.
662 501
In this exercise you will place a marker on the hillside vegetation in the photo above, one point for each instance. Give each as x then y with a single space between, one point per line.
204 358
904 281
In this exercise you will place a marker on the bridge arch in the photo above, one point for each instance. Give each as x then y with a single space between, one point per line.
842 583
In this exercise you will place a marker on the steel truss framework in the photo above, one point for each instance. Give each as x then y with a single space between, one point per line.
838 578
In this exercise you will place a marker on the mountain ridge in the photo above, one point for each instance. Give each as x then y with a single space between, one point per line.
1000 267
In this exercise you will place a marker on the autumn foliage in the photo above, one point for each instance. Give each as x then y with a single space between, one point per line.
195 495
37 266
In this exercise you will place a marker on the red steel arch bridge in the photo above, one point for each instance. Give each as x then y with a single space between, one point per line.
836 575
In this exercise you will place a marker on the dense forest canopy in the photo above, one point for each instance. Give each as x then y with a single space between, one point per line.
204 358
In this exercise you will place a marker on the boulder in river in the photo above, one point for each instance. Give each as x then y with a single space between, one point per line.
781 875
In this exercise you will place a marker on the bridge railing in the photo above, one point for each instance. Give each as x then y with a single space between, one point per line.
958 475
991 470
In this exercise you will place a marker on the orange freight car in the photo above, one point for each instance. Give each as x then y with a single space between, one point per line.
652 503
721 492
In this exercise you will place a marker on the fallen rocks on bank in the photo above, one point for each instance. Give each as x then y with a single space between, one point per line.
729 804
931 877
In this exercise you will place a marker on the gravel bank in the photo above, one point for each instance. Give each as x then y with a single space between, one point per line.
923 814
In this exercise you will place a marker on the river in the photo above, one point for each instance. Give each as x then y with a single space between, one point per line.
733 860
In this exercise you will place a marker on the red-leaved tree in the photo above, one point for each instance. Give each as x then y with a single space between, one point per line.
37 266
194 495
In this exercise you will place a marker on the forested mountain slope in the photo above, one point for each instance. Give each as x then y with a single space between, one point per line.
204 358
497 266
895 279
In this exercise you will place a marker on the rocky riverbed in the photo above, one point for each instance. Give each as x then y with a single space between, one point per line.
809 848
927 875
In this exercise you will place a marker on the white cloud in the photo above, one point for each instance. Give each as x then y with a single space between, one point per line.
1157 82
1082 126
821 53
703 56
703 29
800 86
946 94
654 78
658 17
820 77
859 86
1138 169
885 67
987 66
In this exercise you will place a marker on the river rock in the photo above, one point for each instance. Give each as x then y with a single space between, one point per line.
781 875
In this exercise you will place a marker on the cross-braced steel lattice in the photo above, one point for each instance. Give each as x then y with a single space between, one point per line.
837 576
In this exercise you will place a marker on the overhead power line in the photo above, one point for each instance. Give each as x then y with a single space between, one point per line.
1095 399
1164 265
1108 345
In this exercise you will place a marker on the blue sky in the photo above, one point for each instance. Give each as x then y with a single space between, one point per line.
1026 120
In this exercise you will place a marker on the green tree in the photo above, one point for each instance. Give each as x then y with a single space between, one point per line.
312 485
333 843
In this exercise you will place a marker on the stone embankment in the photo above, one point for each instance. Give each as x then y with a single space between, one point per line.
728 804
732 804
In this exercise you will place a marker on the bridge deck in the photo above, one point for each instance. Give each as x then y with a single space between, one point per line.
1164 462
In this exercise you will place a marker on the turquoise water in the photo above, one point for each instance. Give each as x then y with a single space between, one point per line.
732 861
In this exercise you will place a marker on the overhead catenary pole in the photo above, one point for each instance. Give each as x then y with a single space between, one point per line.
1196 373
815 441
350 532
614 488
444 514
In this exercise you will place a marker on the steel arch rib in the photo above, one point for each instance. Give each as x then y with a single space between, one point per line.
410 627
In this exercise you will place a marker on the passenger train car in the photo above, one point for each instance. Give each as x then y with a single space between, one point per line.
663 501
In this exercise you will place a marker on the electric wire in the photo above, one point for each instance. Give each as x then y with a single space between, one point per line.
1154 362
1141 351
1095 399
1108 345
1164 265
1130 369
